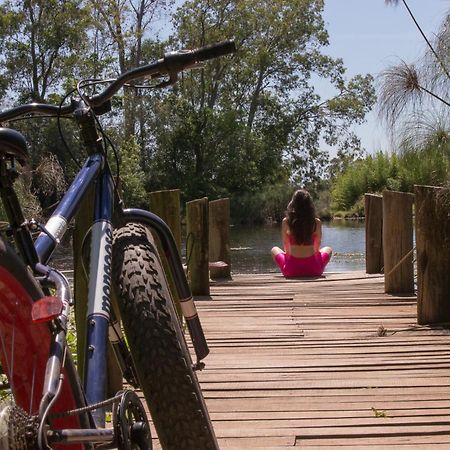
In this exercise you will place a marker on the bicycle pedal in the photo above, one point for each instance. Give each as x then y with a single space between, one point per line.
199 365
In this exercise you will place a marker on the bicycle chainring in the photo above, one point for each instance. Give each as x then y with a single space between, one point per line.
130 423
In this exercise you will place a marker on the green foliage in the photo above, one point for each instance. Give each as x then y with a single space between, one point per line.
268 204
243 122
132 176
414 98
42 41
376 173
27 198
240 126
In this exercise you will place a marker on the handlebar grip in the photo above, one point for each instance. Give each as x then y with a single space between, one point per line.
178 61
214 50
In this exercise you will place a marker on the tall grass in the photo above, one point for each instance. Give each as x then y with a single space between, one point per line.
380 172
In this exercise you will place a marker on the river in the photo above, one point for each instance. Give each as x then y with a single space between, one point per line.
250 246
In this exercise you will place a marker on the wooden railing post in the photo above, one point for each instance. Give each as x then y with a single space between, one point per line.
373 207
219 238
166 204
398 242
197 246
433 254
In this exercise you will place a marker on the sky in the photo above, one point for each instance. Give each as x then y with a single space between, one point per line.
370 36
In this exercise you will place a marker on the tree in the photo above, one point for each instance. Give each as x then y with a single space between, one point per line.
41 40
131 175
247 121
125 26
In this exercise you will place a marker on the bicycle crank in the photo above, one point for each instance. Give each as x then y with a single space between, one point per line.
130 423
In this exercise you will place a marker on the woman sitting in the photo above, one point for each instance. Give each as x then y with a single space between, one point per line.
301 233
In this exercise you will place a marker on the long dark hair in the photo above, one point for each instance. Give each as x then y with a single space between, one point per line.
301 217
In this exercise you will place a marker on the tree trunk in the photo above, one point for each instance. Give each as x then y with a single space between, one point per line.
255 99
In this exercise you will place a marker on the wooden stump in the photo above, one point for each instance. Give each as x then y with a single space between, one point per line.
398 242
219 238
373 206
433 254
197 246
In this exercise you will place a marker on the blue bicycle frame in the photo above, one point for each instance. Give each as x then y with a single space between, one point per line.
96 172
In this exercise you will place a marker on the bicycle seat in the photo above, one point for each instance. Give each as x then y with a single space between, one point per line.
12 143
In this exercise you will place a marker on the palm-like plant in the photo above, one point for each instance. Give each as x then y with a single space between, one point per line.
432 50
419 91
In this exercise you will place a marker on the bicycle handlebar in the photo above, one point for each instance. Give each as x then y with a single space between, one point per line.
171 64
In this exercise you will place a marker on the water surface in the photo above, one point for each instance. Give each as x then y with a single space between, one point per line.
251 245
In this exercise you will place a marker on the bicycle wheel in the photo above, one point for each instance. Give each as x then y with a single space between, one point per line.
24 350
157 344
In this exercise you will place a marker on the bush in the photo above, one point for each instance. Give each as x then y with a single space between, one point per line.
430 166
28 200
267 205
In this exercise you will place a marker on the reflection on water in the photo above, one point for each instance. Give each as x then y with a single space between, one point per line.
250 246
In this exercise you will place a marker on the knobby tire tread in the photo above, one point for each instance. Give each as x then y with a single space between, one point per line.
157 344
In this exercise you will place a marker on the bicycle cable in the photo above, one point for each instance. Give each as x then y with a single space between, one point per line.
61 134
106 139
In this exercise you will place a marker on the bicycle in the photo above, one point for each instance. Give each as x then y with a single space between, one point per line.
49 406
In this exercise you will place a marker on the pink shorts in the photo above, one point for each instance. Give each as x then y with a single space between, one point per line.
312 266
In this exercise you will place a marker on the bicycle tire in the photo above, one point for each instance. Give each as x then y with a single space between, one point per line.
24 349
158 348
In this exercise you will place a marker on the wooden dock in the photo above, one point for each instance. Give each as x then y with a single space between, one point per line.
332 363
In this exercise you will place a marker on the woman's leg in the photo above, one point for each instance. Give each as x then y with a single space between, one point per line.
325 253
279 257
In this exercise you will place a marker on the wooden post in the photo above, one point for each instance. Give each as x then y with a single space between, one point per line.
433 254
219 238
166 204
197 246
373 207
398 242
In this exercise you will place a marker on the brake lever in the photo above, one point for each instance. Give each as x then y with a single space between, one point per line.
173 76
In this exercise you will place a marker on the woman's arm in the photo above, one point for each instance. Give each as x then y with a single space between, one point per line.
285 235
318 235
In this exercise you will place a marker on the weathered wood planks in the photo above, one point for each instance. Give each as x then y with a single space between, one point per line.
329 363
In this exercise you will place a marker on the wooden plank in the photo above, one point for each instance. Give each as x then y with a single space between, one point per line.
296 362
301 363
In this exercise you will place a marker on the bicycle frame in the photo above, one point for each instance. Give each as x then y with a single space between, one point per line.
108 212
96 173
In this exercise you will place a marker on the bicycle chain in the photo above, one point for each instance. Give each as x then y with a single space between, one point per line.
79 411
